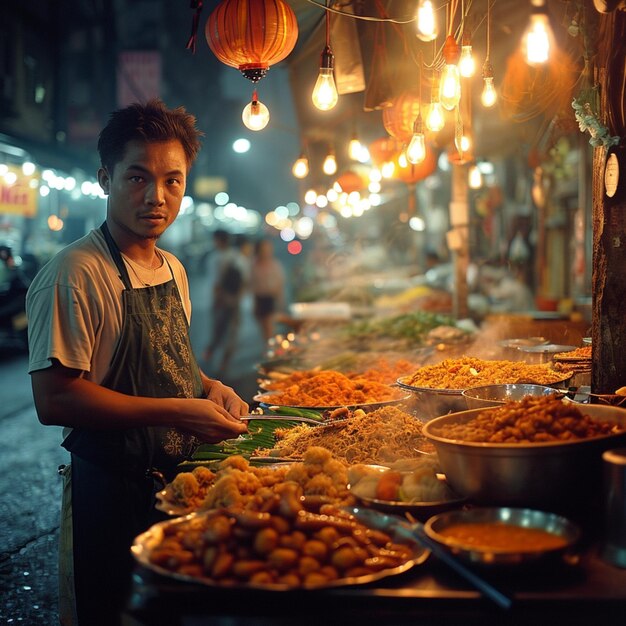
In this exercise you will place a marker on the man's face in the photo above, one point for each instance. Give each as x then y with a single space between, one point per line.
146 188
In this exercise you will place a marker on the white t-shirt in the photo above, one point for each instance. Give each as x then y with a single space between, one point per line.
74 306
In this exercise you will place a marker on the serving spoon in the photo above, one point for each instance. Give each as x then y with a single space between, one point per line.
415 531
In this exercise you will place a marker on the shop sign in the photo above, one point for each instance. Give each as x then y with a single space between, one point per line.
18 198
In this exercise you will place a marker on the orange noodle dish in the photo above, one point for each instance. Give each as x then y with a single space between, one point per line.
382 436
383 371
466 372
330 388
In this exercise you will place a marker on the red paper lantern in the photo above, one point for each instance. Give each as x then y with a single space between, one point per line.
350 181
383 150
251 35
398 119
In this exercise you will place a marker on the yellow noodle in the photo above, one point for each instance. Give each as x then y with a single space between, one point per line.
382 436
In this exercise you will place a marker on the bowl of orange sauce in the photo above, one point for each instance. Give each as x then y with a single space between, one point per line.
504 535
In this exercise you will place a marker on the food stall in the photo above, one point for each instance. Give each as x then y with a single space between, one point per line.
279 532
385 429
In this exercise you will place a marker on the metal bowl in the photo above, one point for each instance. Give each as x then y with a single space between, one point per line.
569 532
497 395
547 474
434 402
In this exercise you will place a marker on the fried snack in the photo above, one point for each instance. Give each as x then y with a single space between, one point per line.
283 544
466 372
188 489
239 483
330 388
531 420
381 436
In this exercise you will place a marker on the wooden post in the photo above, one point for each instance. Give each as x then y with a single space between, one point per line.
609 220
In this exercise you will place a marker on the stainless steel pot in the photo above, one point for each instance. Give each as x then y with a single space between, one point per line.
550 475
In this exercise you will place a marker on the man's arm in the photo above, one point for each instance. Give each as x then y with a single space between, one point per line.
64 398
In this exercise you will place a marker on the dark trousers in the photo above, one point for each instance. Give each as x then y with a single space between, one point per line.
109 509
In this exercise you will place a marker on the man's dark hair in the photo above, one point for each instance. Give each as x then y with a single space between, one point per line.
149 122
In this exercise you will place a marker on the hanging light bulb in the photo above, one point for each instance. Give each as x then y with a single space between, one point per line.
403 160
325 94
426 21
467 64
255 114
387 169
489 95
463 144
355 148
330 164
474 177
416 152
300 168
450 84
538 37
435 120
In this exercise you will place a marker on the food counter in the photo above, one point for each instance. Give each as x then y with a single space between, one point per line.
575 589
591 592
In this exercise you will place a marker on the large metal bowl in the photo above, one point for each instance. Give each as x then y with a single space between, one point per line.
497 395
434 402
550 475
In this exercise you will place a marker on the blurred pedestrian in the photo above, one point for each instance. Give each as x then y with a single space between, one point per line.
230 275
267 278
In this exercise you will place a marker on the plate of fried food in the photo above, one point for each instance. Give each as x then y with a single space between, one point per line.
287 545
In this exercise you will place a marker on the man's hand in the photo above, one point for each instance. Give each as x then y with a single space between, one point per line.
225 397
210 421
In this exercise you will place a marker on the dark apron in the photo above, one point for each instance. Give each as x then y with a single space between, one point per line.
112 489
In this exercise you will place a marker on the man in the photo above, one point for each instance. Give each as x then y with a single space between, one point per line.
229 272
111 360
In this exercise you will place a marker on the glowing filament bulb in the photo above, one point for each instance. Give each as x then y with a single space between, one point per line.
255 114
463 144
475 178
450 83
435 120
300 168
467 65
325 94
330 164
538 38
387 169
402 159
426 21
489 95
450 87
355 148
416 152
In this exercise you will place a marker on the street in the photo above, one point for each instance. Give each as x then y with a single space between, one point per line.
31 487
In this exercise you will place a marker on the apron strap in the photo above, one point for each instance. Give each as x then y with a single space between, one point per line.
117 256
